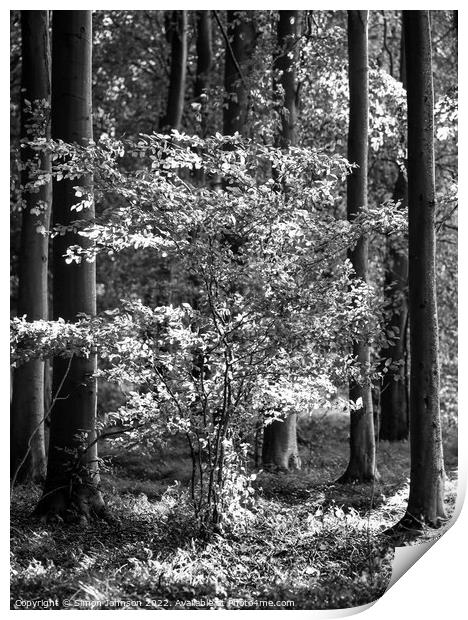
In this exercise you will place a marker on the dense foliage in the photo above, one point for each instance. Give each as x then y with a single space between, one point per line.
263 304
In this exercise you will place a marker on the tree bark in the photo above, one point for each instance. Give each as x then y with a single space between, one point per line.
280 449
203 76
239 50
204 65
361 466
394 405
426 498
285 63
394 396
72 470
177 35
28 458
204 53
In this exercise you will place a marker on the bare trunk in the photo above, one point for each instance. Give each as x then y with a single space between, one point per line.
177 34
28 459
361 466
204 52
426 499
394 420
239 49
285 63
280 438
203 75
72 470
394 398
280 450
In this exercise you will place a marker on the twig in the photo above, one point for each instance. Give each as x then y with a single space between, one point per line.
228 45
37 427
385 43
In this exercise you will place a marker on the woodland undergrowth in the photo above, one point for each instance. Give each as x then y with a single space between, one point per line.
308 541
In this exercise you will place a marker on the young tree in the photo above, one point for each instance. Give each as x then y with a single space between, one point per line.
72 469
280 436
394 415
177 35
361 466
240 42
426 499
28 458
211 370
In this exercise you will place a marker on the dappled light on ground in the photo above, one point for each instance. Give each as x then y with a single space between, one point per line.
307 539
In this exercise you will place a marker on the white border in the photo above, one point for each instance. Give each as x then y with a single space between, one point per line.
435 586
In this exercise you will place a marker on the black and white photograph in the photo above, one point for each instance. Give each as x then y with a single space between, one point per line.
233 305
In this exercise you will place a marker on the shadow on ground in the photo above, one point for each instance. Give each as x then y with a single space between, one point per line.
308 541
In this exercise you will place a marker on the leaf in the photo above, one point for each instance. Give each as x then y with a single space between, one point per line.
359 404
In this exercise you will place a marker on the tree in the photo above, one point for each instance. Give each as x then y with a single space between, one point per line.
426 498
72 468
240 42
361 466
204 64
177 36
280 436
286 85
28 458
210 372
394 420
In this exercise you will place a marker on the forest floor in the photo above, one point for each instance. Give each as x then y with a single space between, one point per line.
310 544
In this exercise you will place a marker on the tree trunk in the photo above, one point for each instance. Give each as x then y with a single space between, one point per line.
280 437
204 65
285 63
280 450
394 420
239 50
28 458
426 499
204 52
72 470
394 405
177 34
202 78
361 466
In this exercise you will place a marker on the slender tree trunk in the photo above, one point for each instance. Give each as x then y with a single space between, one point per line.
280 449
361 466
394 405
204 52
285 63
394 415
426 499
203 78
204 64
72 470
239 50
28 459
177 35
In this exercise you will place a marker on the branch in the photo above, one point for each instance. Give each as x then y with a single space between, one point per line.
37 427
228 45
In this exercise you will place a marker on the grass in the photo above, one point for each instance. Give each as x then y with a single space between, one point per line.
308 540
